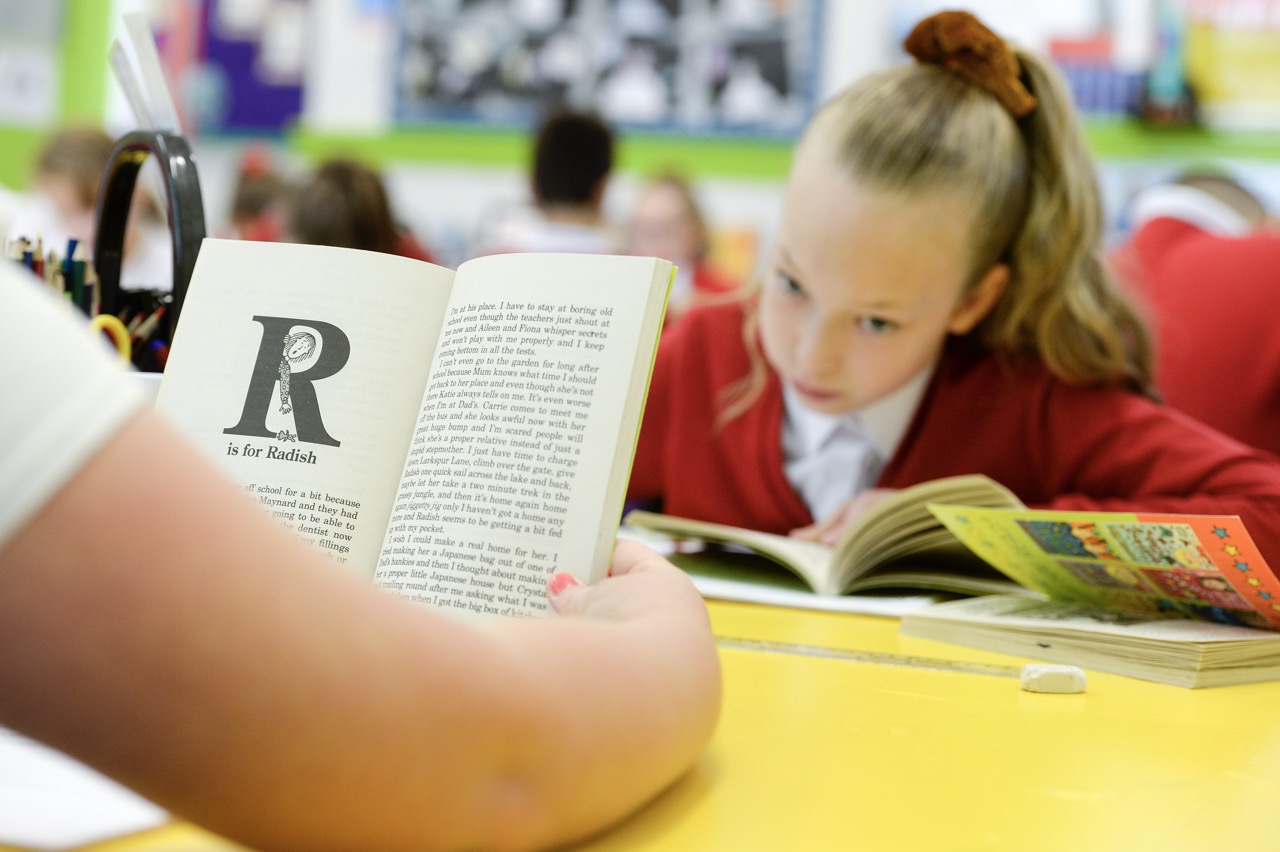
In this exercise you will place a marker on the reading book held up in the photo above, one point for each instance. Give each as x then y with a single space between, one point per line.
456 437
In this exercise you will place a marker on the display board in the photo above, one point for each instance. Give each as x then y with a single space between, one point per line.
705 66
30 58
252 72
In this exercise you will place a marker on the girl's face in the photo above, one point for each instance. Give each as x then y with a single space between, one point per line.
300 348
662 226
864 288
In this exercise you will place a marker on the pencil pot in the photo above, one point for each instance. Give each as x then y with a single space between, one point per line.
184 210
145 315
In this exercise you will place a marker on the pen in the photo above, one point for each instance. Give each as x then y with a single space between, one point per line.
148 326
77 264
132 325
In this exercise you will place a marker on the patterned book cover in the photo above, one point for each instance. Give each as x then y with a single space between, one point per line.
1199 566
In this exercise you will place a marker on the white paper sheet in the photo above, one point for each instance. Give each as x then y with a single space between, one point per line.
50 801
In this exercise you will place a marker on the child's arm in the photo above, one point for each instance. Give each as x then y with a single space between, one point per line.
1109 451
156 624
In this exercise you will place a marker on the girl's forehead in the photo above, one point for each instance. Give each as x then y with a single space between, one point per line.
849 241
823 206
818 173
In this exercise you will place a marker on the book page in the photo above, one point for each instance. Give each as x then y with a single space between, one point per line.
314 430
902 524
749 578
1178 651
810 561
523 447
1054 620
898 527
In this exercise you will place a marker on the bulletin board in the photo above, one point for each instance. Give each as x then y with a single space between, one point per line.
733 67
252 65
30 62
1233 60
42 47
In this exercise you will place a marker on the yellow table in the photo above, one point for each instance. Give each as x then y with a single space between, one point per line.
819 753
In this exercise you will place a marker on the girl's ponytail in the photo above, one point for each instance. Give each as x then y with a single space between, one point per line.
1062 303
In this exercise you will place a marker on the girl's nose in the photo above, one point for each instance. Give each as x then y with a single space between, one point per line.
821 346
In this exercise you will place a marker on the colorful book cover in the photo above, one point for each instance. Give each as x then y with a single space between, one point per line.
1199 566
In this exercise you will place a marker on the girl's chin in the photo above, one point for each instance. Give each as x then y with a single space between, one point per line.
823 403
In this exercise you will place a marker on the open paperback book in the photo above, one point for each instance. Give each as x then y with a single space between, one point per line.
1180 599
457 438
897 544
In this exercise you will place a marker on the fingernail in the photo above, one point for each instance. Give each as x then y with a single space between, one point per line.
559 582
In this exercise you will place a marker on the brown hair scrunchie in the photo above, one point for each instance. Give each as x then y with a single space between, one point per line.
961 43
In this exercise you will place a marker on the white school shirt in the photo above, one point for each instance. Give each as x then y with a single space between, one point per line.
1191 205
830 458
62 395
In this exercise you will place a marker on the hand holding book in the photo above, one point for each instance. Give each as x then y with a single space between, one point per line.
455 437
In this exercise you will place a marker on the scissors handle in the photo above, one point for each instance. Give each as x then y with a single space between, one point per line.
119 335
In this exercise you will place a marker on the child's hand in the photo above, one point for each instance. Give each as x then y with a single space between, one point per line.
640 583
829 529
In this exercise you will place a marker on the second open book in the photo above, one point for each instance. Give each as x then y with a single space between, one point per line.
1172 598
898 543
455 437
970 536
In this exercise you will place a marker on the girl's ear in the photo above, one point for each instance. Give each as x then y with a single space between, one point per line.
980 300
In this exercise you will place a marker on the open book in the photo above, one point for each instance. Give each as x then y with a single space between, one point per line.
457 438
1173 598
897 544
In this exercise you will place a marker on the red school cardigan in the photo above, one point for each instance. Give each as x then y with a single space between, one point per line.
1054 444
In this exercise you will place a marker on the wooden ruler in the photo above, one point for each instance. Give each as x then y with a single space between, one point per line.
874 657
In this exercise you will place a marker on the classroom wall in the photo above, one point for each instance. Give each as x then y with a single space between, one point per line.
447 202
348 94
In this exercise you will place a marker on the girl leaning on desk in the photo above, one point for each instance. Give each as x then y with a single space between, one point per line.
937 305
155 624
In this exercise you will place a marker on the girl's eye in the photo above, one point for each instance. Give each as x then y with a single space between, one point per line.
876 325
789 284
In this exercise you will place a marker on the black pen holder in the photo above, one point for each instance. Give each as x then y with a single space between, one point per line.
184 208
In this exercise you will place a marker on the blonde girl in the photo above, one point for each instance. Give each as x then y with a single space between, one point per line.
936 305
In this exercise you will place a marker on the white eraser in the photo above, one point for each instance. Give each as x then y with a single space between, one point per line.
1046 677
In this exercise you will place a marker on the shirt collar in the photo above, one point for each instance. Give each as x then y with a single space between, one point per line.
884 421
1188 204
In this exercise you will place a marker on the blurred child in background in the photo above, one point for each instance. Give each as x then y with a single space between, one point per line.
261 199
667 222
61 206
344 203
572 164
1206 266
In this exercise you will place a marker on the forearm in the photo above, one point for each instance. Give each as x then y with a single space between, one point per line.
212 661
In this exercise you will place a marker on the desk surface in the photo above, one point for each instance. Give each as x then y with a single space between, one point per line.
820 753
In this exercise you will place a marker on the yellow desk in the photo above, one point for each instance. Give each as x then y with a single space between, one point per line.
815 754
